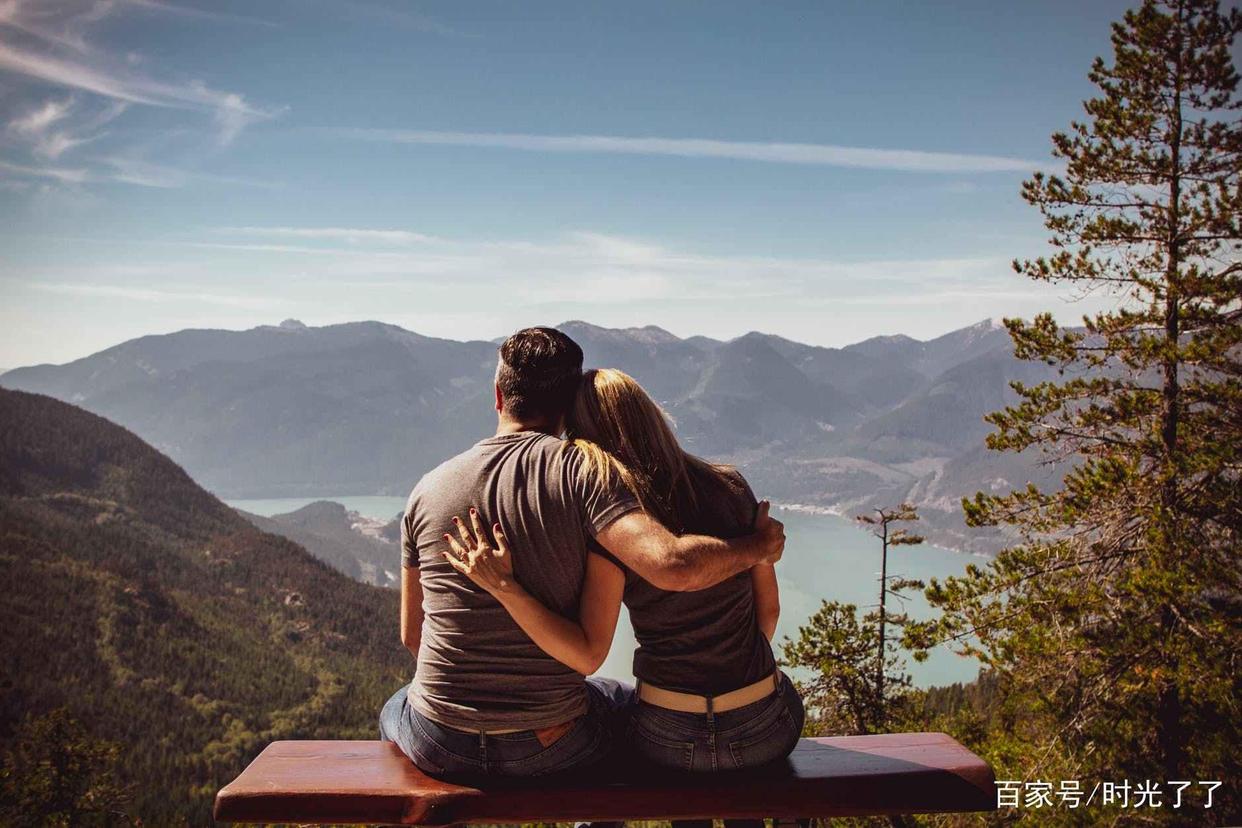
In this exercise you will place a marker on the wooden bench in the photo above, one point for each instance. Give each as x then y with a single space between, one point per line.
372 782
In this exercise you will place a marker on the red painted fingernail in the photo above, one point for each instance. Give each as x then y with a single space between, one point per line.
473 511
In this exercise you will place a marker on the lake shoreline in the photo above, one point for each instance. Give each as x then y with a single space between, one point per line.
828 557
296 502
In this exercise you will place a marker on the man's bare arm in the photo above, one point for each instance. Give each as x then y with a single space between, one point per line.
690 562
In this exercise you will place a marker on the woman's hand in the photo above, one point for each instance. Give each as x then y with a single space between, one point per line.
580 644
491 567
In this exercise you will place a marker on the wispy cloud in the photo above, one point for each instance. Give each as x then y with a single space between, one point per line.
230 110
80 76
194 13
265 247
121 170
593 269
141 173
39 120
62 174
46 43
46 130
349 235
63 24
239 300
767 152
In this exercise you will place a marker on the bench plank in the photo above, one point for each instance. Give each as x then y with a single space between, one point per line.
373 782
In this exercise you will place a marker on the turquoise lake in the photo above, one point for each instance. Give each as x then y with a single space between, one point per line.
826 557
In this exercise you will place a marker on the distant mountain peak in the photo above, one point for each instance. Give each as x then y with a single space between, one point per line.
651 334
656 333
891 339
293 325
981 329
751 342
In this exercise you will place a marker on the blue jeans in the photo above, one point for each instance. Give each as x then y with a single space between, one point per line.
746 737
453 754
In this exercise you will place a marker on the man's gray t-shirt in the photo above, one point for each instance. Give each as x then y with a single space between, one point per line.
476 668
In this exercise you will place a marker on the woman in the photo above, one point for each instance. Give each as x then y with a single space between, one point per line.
710 696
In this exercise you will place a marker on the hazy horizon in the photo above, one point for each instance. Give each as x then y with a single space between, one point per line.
6 366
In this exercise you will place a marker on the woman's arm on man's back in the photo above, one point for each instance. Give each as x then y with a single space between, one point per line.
580 645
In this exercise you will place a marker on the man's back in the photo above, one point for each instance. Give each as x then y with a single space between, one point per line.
476 668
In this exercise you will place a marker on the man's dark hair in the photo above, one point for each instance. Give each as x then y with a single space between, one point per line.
540 369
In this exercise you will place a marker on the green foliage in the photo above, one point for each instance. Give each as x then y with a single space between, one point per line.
1113 624
165 623
859 682
54 775
839 648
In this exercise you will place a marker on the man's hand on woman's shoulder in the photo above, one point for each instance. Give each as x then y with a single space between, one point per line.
770 534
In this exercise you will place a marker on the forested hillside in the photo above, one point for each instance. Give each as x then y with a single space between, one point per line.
159 620
362 548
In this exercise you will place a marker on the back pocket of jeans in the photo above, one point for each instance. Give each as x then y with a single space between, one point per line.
659 748
770 743
575 747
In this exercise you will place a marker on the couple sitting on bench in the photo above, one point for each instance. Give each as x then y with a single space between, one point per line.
517 556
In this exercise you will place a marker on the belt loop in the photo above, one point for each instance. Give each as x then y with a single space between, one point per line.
711 711
483 749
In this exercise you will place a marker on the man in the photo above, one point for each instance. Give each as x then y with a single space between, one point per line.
485 700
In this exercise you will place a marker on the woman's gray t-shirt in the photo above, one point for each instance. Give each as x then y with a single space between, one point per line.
476 668
706 642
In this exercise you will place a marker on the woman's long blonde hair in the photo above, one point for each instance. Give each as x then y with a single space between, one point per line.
622 431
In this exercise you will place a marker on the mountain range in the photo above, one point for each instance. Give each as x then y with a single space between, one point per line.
362 548
367 407
161 622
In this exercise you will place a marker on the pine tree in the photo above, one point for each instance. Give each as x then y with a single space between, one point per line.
859 682
880 524
837 650
1114 619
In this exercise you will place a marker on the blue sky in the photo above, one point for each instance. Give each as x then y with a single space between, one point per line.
824 171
